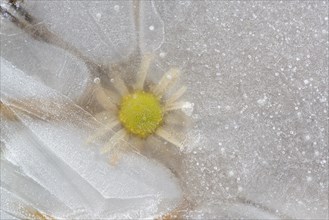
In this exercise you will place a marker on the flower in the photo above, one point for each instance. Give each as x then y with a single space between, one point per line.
140 110
47 168
256 70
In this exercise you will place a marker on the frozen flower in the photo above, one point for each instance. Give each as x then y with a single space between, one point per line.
48 170
242 158
140 109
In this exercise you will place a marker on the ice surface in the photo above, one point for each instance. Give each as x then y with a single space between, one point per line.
102 32
27 189
230 210
55 67
257 75
151 27
4 215
54 154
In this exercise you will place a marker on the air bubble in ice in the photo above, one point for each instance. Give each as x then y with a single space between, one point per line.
97 80
262 101
323 99
309 179
188 108
162 54
116 8
98 16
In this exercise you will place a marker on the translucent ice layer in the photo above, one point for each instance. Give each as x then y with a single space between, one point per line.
53 159
256 74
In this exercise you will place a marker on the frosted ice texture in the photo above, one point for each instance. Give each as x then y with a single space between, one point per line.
53 66
257 74
103 32
54 155
151 27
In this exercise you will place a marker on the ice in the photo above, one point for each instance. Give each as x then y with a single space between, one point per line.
27 189
54 153
231 211
11 204
151 27
53 66
4 215
36 97
102 32
257 76
267 54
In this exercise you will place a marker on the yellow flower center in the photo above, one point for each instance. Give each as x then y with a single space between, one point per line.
141 113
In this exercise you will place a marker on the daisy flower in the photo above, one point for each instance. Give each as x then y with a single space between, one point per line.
48 169
93 123
140 110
